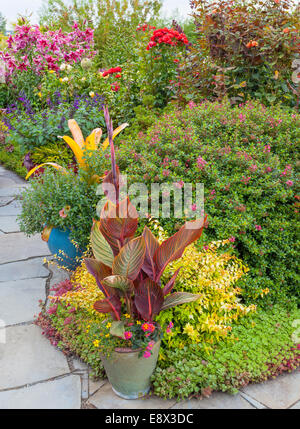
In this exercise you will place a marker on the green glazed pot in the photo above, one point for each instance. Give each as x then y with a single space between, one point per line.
128 374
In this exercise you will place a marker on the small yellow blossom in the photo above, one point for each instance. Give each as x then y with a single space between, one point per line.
96 343
108 325
107 335
40 94
138 322
92 94
127 316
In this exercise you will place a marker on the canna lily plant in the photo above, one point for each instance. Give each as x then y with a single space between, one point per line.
128 269
78 145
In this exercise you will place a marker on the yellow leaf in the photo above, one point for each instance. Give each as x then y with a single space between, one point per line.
76 132
53 164
78 152
115 133
90 142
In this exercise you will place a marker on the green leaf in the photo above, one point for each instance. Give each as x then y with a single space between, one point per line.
129 261
117 329
118 282
178 298
101 249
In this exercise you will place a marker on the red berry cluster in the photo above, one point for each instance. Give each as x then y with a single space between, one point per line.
112 71
168 37
145 27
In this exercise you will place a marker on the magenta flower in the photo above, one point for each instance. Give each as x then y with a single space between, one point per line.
201 163
245 180
289 183
127 335
193 207
150 345
68 320
232 239
52 309
258 227
147 354
179 185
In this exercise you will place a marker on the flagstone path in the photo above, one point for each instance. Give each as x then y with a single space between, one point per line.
33 374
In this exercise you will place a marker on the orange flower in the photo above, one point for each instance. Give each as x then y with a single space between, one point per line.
251 44
286 30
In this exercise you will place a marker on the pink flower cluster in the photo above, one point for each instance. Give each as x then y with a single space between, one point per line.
201 163
149 347
170 327
29 48
127 335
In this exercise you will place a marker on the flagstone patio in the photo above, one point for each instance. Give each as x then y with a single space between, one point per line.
33 374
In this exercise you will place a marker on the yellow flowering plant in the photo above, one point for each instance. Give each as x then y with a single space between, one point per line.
213 273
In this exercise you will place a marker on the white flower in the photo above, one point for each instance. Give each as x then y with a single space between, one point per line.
63 67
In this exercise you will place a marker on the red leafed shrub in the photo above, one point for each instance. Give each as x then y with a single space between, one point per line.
244 48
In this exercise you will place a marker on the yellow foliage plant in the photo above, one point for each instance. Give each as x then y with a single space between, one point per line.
213 275
85 293
78 145
211 272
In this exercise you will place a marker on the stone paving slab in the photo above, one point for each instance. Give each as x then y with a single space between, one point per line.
19 300
5 200
16 247
94 386
62 393
282 392
12 209
7 182
20 270
28 357
217 400
105 398
12 191
296 406
9 224
11 175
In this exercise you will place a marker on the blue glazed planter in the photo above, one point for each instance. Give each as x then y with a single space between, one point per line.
59 244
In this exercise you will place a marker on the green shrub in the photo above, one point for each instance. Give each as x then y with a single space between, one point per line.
30 129
244 49
260 348
52 192
247 159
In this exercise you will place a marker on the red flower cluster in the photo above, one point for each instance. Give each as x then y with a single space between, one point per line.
115 86
145 27
168 37
112 71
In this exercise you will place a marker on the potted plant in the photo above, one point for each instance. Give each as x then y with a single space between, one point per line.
128 271
57 203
